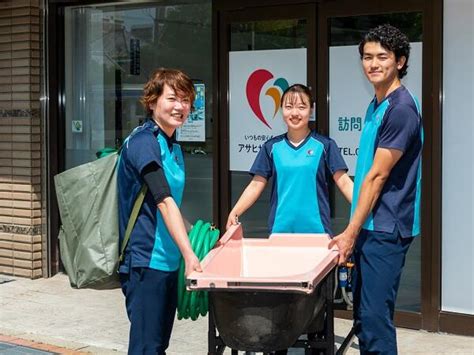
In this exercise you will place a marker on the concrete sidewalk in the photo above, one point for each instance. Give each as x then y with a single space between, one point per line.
51 312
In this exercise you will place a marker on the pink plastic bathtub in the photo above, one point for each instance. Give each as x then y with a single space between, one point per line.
283 262
265 293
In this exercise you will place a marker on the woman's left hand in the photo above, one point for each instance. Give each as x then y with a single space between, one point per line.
191 264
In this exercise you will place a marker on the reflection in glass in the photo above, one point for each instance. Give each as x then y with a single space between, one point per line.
261 35
110 51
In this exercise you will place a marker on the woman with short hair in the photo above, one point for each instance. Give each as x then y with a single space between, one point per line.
151 156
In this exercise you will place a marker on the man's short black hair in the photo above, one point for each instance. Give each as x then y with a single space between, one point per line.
392 39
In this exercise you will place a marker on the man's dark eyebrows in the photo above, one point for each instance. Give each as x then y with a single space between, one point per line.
374 55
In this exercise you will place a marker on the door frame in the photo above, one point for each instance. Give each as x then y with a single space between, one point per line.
223 16
431 89
223 13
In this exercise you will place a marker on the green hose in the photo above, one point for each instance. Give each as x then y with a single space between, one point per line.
104 152
191 304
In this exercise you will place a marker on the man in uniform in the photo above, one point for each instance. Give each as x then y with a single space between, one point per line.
385 213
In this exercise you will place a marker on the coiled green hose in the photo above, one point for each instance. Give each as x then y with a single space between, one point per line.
191 304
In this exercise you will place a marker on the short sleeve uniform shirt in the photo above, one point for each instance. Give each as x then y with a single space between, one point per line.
300 192
394 123
150 243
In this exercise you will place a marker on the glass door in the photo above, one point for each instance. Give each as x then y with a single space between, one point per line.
348 95
265 50
110 52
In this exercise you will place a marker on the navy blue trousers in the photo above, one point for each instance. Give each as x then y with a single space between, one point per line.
151 298
379 259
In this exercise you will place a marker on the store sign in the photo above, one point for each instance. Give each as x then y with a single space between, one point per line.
194 129
351 93
257 80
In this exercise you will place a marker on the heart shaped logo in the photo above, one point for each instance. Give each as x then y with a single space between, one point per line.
253 89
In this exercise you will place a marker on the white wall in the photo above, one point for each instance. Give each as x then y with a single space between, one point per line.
458 158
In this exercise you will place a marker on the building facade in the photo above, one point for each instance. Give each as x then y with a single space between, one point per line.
71 73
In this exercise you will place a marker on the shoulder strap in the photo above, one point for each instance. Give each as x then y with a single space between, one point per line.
133 218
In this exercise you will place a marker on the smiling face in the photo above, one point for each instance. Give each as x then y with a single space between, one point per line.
380 65
170 110
296 110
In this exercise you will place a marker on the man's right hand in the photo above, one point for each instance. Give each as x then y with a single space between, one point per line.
345 242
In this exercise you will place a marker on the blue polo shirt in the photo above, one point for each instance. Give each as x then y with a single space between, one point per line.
300 191
150 243
394 123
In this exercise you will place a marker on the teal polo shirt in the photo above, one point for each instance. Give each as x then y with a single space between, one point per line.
394 123
301 176
150 244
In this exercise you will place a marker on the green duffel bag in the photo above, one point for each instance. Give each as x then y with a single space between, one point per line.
89 237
